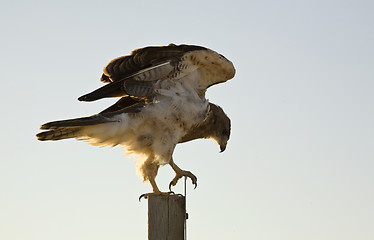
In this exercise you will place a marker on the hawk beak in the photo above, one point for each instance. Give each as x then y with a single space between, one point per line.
222 147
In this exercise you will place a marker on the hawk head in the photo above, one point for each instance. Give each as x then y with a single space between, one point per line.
220 126
216 126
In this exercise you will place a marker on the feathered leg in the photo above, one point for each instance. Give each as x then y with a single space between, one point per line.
149 171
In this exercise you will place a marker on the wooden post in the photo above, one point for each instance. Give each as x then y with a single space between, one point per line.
166 217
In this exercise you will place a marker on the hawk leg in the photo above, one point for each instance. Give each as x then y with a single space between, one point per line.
149 171
156 191
179 173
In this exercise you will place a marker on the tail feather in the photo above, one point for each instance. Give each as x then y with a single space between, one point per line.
71 128
58 134
76 122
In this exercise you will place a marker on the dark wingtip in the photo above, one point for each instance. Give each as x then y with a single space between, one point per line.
45 126
86 98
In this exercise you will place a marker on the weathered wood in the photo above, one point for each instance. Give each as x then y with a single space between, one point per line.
166 217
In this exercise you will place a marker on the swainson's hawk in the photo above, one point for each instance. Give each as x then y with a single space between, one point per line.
162 103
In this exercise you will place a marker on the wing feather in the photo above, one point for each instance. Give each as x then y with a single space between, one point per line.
135 75
143 58
124 102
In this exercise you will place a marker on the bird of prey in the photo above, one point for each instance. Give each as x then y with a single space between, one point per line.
162 103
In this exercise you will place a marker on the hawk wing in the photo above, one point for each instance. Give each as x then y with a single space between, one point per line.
124 103
135 75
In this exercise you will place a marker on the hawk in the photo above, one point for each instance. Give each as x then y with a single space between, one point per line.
162 103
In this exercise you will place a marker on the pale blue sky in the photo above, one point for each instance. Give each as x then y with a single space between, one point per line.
299 164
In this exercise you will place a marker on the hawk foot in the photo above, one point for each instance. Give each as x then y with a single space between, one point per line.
146 195
181 174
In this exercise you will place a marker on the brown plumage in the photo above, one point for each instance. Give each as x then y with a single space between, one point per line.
162 103
216 126
143 58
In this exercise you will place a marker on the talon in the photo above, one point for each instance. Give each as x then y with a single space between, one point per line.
143 195
146 195
181 174
170 184
174 181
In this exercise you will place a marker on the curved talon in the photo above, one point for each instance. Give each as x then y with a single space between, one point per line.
183 174
146 195
170 184
143 195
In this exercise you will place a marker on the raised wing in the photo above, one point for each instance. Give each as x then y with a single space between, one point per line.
135 75
144 60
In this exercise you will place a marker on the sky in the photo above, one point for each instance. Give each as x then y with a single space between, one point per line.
299 164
